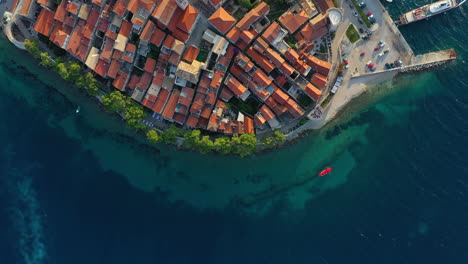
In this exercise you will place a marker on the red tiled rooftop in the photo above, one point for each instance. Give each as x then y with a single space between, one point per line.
287 69
319 80
206 112
171 105
248 125
188 19
113 68
72 8
149 65
157 37
235 86
226 94
111 34
313 91
164 11
168 42
61 12
120 7
222 20
186 96
261 60
107 50
147 31
259 119
318 64
192 121
267 113
44 22
134 80
135 5
158 78
145 81
291 55
119 82
280 96
74 41
103 25
272 32
160 101
292 21
191 54
308 33
260 45
25 7
247 36
101 68
82 50
90 24
215 2
125 28
234 34
274 57
294 109
261 78
324 5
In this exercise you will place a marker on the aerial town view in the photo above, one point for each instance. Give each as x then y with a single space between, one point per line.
266 69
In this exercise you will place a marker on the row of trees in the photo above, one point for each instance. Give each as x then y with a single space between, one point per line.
69 71
243 145
121 104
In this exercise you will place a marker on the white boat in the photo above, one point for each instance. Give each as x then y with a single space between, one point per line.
77 110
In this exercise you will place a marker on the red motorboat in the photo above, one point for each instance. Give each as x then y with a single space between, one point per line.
325 172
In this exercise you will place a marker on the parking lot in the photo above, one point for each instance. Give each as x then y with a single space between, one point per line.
369 50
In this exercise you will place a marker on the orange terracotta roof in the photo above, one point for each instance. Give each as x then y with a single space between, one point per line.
294 109
248 20
168 42
313 91
210 98
111 34
74 41
222 20
191 53
216 2
216 80
147 31
206 112
186 96
261 78
150 64
134 80
125 28
234 34
248 125
160 101
192 121
107 50
275 106
236 86
101 68
261 60
113 69
72 7
274 57
287 69
164 11
267 113
259 119
44 22
246 36
135 5
145 81
149 100
59 38
169 110
319 80
226 94
43 2
318 64
61 12
90 24
291 55
262 8
158 78
272 32
25 7
119 82
174 59
82 50
188 19
292 21
280 96
157 37
308 33
97 2
260 45
117 54
120 7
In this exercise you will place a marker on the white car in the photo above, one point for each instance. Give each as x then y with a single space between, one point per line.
381 54
382 44
355 14
368 63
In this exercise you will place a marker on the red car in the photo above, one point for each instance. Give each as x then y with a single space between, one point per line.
377 48
363 53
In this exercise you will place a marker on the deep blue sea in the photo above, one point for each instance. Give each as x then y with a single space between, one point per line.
81 188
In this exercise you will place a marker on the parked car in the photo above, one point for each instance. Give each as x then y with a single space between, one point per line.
377 48
362 4
397 63
361 30
351 5
360 21
387 66
382 44
365 37
381 54
368 63
386 51
372 20
355 13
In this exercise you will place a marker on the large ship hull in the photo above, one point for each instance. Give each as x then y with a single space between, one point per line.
429 10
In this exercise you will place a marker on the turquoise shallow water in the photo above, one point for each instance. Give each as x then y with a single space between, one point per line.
84 189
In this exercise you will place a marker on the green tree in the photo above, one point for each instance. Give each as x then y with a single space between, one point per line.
62 70
192 139
153 136
46 60
73 71
134 115
81 82
244 145
205 145
169 136
32 46
273 140
223 145
115 102
93 89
